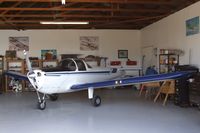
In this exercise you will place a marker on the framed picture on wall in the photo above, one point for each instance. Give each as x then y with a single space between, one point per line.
48 54
89 43
122 53
19 43
192 26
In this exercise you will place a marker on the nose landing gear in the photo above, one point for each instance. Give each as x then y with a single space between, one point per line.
41 102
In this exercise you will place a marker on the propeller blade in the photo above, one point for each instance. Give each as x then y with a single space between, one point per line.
28 61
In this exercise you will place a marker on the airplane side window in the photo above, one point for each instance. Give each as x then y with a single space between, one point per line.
67 65
81 65
71 66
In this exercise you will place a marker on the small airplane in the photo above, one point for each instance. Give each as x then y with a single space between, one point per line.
75 75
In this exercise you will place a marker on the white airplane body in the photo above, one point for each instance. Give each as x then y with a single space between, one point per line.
45 82
75 75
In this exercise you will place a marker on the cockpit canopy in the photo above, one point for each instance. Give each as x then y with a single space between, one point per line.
72 65
69 65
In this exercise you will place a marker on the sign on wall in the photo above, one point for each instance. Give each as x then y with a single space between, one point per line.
89 43
192 26
19 43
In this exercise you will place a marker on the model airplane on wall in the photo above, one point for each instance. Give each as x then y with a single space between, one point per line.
75 75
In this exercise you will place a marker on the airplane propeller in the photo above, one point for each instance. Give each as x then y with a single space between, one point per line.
28 62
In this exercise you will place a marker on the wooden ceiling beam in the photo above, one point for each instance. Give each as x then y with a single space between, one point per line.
85 9
38 26
69 16
131 21
16 4
38 21
156 2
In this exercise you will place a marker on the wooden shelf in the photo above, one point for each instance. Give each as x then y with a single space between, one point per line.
49 63
167 62
35 64
14 65
1 73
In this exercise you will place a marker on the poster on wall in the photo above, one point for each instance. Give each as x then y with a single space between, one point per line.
192 26
49 54
19 43
89 43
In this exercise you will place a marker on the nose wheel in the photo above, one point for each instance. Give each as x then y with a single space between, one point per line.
42 104
41 101
96 101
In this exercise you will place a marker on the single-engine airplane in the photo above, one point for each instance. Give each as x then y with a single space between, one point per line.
75 75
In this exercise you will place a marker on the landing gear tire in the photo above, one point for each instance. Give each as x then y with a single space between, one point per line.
96 101
53 97
42 105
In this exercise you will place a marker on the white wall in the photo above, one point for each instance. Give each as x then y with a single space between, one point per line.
170 32
67 42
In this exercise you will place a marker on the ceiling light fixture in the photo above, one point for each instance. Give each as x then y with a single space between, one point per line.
64 22
63 2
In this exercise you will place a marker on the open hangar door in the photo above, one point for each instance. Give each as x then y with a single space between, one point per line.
149 57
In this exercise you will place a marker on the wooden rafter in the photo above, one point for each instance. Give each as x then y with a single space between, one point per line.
84 9
69 16
101 14
157 2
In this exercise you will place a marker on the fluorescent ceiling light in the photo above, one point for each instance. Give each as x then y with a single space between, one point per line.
64 22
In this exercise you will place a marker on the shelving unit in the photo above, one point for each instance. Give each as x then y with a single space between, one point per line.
194 91
35 64
49 63
167 62
1 73
1 64
14 65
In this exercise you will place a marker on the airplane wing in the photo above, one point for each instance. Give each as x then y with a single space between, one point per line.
16 75
132 80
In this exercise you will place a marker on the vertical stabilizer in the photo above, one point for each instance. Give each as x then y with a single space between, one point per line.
28 61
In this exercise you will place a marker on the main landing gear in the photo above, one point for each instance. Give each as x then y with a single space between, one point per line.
53 97
96 101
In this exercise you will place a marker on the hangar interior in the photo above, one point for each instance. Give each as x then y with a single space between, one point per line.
142 37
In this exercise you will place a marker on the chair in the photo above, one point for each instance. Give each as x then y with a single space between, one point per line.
167 88
148 88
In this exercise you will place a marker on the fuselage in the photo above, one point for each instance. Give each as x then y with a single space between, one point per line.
70 72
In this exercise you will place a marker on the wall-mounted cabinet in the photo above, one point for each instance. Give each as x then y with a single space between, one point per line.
167 62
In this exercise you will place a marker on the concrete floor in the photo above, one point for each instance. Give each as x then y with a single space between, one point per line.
122 111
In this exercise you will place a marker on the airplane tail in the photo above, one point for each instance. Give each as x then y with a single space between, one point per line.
28 61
